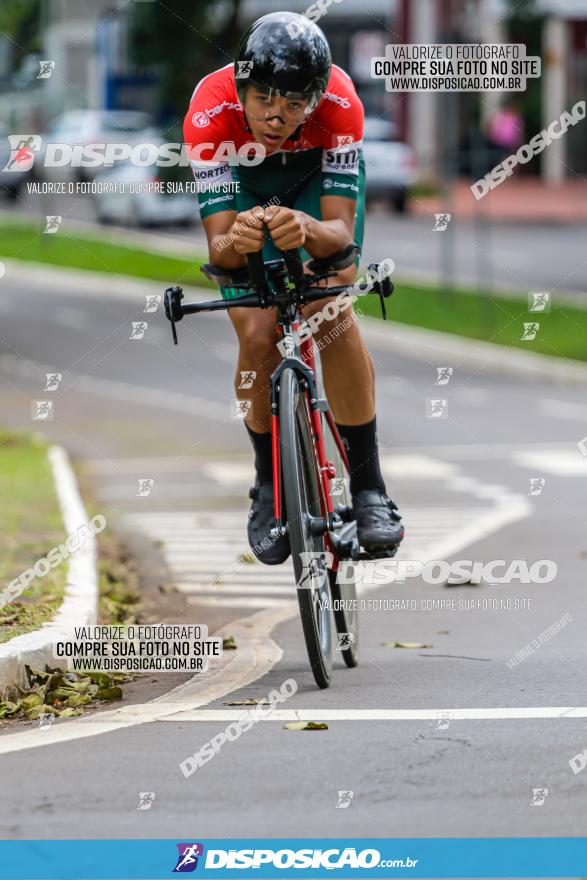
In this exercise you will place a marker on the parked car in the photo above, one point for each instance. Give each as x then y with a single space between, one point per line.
82 127
11 182
139 203
390 164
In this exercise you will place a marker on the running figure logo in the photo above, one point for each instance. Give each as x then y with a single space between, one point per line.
187 859
22 151
315 571
441 222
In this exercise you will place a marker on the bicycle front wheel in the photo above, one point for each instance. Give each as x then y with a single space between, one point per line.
302 501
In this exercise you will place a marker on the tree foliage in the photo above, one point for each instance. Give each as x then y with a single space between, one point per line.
183 40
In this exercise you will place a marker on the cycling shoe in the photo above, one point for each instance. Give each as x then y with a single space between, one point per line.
267 548
380 530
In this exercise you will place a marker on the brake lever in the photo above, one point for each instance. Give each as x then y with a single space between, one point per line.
173 310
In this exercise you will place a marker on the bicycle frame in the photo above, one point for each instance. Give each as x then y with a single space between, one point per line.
304 365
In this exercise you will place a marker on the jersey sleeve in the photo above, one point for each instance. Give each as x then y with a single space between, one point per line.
342 140
203 134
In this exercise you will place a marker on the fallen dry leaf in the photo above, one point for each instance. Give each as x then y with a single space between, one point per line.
306 725
405 645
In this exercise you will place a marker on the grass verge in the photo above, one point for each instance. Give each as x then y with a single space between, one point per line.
497 319
30 525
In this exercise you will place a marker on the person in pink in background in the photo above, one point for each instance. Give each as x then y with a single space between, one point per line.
506 130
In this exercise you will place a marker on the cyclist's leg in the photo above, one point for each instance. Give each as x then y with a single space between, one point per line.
349 380
258 356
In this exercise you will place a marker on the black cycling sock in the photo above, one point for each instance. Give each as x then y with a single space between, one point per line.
360 442
263 456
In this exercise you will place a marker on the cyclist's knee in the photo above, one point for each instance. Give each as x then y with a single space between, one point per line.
257 338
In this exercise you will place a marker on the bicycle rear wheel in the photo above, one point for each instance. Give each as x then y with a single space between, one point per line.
302 500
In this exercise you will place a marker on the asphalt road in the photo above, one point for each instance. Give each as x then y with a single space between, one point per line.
132 410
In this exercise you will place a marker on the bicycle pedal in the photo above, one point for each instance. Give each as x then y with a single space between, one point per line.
371 555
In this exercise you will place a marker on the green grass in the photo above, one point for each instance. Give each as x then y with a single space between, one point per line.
30 525
499 319
26 241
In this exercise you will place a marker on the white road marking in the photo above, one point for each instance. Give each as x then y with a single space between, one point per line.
561 462
481 714
111 388
76 319
564 409
415 467
236 601
258 653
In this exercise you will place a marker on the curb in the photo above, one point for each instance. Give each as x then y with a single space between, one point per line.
460 351
80 603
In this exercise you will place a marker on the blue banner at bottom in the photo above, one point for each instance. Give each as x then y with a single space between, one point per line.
376 857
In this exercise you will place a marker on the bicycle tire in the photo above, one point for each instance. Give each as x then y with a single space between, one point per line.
302 500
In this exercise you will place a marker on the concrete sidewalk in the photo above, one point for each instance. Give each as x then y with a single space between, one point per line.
526 199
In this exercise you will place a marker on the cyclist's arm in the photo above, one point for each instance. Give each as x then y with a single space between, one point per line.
231 236
334 231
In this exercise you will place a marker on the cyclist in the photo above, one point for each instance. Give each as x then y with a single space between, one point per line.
308 192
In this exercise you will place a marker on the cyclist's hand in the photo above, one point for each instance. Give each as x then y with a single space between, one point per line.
248 232
286 227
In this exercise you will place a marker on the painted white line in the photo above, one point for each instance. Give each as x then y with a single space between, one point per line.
415 467
235 601
80 603
564 409
142 395
561 463
501 714
257 653
255 657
